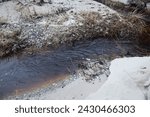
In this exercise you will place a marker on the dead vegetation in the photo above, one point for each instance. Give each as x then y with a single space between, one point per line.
136 23
144 37
32 12
129 27
113 4
115 26
92 25
87 25
9 39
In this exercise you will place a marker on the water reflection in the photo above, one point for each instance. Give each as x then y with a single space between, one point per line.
19 73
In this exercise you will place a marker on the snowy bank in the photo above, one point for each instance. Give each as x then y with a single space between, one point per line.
129 79
27 24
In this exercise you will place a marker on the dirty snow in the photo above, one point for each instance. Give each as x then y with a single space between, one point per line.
122 1
71 21
13 12
8 12
78 89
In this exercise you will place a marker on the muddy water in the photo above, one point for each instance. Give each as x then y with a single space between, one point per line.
21 73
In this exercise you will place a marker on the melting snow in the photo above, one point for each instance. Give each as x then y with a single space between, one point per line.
129 79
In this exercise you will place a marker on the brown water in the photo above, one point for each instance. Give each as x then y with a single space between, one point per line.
25 72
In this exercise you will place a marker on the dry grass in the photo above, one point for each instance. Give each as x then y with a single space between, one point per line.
130 27
9 40
112 4
144 37
134 26
142 28
115 5
112 26
95 26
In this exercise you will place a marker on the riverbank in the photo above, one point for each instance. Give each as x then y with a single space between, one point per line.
27 26
128 79
71 73
63 50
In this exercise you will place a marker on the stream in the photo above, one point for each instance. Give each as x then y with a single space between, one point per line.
21 73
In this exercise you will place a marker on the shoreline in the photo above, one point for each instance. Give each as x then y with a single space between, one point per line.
31 27
124 83
89 59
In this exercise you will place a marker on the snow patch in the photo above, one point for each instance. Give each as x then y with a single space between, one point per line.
70 21
127 80
122 1
8 13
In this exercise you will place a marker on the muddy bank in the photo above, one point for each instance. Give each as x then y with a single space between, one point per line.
29 25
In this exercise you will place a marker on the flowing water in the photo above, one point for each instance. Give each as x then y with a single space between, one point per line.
21 73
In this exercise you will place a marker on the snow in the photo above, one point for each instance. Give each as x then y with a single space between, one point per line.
129 79
122 1
8 12
77 89
70 21
12 12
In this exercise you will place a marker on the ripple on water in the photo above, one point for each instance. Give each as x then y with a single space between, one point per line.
23 72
